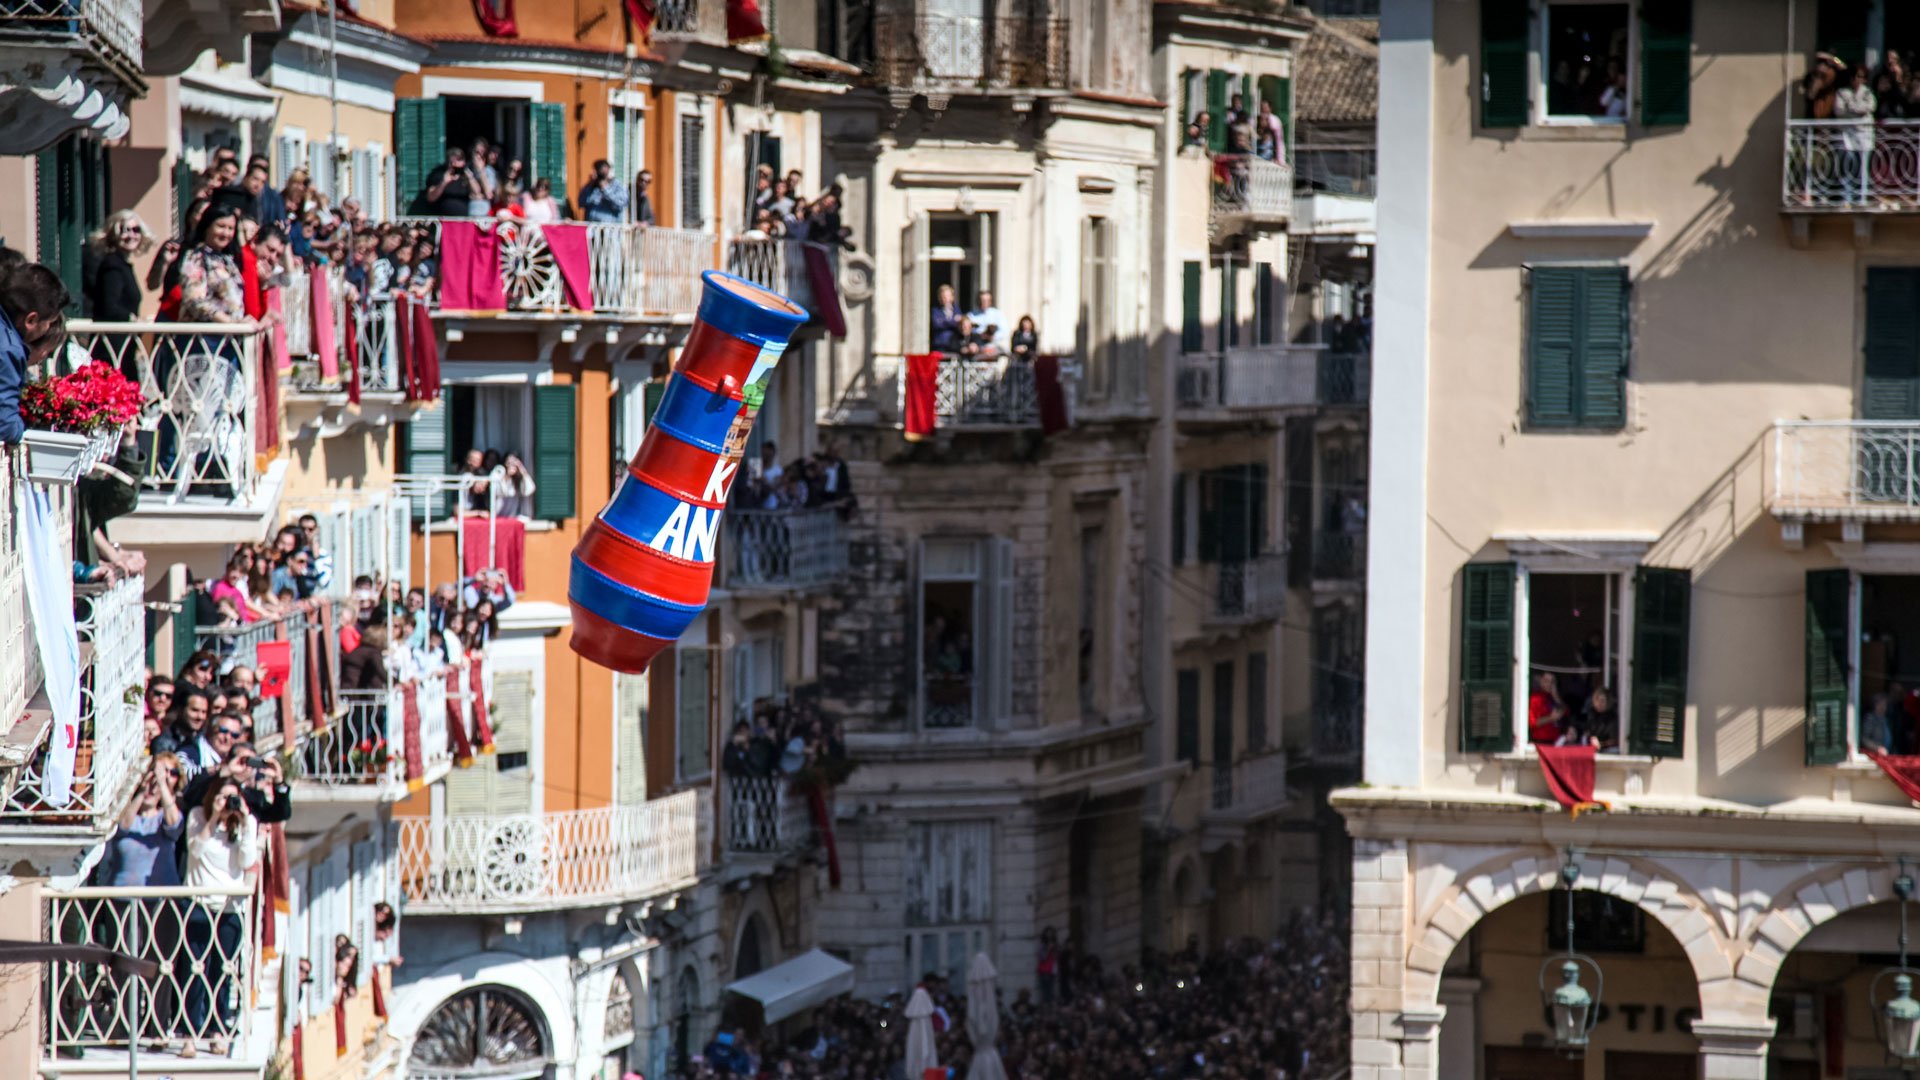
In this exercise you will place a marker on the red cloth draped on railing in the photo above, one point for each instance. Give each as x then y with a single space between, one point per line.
320 645
1048 395
320 309
744 22
642 14
339 1024
823 824
266 424
351 350
496 17
416 754
482 723
276 887
316 703
923 381
419 352
569 246
508 550
379 995
457 740
1902 769
826 291
300 1051
470 268
1569 773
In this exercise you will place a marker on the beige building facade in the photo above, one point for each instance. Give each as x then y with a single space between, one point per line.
1638 323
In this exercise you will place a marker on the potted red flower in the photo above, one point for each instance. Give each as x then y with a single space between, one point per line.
75 421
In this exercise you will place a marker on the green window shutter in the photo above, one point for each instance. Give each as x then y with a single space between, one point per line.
1661 602
425 451
420 143
1193 334
1486 657
47 204
1891 390
1577 346
550 146
655 390
1180 519
1666 62
553 452
1186 97
1504 26
1840 28
1217 110
1828 594
1187 715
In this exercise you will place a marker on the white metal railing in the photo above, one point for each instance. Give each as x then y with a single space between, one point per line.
1254 588
987 392
779 264
200 383
431 700
766 815
204 943
112 627
117 24
634 269
1852 164
363 746
1251 786
509 862
272 717
783 549
377 346
1837 467
1245 186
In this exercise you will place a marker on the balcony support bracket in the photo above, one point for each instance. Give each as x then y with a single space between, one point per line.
1793 535
1853 532
1863 232
1800 231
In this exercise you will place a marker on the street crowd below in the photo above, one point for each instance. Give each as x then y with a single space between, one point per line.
1274 1010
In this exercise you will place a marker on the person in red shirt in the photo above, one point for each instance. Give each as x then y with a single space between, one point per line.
1545 711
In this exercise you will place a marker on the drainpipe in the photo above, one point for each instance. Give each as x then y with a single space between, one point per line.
333 94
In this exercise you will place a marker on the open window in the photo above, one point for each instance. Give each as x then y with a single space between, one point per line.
947 250
1860 679
964 626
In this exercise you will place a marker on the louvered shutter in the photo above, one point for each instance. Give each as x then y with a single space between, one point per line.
1552 330
366 893
1662 601
1186 712
692 172
692 693
47 207
320 168
420 143
550 146
1193 333
1486 657
288 155
1229 304
1577 346
1602 366
630 718
1504 87
1217 83
918 303
424 451
553 452
511 789
1828 596
999 589
1891 389
1666 61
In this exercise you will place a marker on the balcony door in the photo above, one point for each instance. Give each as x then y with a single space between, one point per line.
953 40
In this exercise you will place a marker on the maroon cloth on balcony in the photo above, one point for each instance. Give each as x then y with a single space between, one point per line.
419 351
743 21
482 723
321 663
416 754
642 14
823 824
351 347
299 1052
470 268
1048 394
339 1025
826 291
379 995
923 381
496 17
1569 773
320 308
457 741
1902 769
569 246
266 428
509 548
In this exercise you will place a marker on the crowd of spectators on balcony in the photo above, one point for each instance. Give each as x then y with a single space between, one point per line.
817 480
1270 1009
1248 133
778 210
789 739
982 333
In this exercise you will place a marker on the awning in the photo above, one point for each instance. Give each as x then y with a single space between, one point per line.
797 985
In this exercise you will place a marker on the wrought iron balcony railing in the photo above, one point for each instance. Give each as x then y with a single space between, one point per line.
784 549
1254 588
116 25
635 269
1251 787
1860 166
766 816
956 53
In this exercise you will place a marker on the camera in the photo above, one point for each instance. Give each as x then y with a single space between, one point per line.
256 763
233 803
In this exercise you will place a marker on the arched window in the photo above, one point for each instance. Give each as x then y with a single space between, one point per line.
486 1031
749 957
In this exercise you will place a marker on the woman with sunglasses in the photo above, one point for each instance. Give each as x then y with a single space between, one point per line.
223 859
111 287
141 854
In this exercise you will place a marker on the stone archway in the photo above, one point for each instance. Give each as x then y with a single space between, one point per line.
1816 898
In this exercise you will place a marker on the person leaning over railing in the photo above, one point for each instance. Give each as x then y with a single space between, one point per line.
223 857
32 325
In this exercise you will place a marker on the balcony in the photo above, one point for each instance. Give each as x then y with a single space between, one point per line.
690 21
1344 379
206 436
1336 724
1851 167
781 266
364 753
636 271
1249 193
940 53
67 65
1249 590
92 1017
1339 556
766 816
113 633
1246 791
985 393
536 862
784 550
276 721
1252 378
1854 470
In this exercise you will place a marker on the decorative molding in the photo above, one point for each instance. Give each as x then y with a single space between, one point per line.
1580 229
929 178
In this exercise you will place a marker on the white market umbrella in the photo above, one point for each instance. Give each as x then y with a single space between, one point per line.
983 1020
921 1052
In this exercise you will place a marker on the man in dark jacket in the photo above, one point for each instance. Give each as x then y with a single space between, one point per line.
262 785
32 325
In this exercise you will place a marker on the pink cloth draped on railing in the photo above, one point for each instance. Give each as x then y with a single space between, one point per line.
266 427
320 308
508 547
352 350
569 246
277 337
416 758
470 268
826 291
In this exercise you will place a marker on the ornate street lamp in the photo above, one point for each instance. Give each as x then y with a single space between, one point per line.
1899 1016
1574 1009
